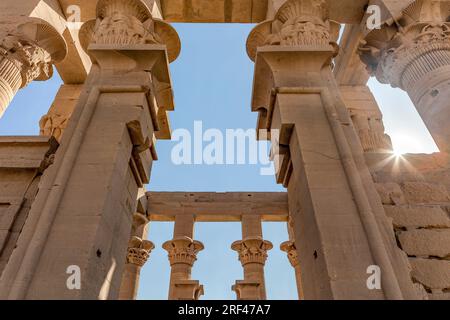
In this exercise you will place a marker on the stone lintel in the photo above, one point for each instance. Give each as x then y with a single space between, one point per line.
23 152
217 207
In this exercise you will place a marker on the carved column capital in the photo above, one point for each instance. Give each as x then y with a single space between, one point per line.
26 55
128 22
139 251
183 250
291 250
297 23
252 250
402 54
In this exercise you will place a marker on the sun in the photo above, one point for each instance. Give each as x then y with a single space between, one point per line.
404 143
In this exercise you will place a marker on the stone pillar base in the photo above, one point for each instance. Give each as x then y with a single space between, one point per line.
187 290
247 290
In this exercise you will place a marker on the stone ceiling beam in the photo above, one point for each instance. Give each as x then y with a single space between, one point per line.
217 207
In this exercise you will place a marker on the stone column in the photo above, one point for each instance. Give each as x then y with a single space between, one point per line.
182 252
26 55
339 221
83 213
291 250
138 253
414 54
252 252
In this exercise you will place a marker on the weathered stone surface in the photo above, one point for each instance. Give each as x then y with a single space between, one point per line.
440 296
418 216
424 243
390 193
423 192
432 273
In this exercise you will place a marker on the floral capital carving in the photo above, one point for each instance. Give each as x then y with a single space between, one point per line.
303 23
28 54
291 250
183 250
139 251
402 54
252 250
128 22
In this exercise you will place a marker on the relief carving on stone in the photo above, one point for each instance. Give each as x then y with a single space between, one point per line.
252 250
291 250
183 250
402 53
127 22
139 251
26 55
297 23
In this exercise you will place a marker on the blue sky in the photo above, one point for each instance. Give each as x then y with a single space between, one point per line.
212 81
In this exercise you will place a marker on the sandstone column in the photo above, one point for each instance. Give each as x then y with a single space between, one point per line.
339 222
291 250
414 54
182 252
138 253
252 252
26 55
81 218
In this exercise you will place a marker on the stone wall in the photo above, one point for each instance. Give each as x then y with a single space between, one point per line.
22 162
419 207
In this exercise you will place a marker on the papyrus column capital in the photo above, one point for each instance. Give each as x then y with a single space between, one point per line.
252 250
291 250
183 250
139 251
27 54
128 22
404 53
303 23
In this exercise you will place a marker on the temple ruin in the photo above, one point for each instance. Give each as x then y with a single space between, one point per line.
350 203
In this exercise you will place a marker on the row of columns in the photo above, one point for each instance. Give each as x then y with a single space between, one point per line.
182 253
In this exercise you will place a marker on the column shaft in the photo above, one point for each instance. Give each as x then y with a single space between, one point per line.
253 255
183 252
83 212
340 225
